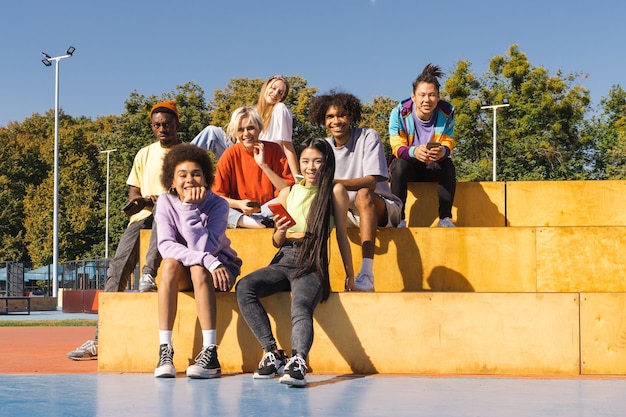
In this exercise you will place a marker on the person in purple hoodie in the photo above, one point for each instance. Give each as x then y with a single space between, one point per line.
191 223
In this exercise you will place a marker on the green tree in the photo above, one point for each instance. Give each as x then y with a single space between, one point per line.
540 136
79 195
376 116
472 153
20 167
608 157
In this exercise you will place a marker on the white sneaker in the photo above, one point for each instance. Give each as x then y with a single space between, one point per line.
364 283
445 222
147 283
402 224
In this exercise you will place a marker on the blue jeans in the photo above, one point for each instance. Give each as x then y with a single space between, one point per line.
213 139
306 293
234 215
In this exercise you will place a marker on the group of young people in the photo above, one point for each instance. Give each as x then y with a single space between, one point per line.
342 181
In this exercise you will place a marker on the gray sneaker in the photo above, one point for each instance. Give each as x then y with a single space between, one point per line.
86 352
147 283
364 283
446 222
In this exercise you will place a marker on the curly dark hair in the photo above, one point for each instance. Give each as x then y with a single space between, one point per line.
313 256
430 75
320 104
182 153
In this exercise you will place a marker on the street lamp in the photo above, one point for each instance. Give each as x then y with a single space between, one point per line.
106 233
55 217
495 107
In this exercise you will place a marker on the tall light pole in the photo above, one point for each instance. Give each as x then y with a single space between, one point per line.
495 107
55 217
106 232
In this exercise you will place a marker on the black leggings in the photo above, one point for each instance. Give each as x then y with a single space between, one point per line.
403 171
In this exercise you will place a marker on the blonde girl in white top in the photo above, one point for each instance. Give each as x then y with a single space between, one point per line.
277 118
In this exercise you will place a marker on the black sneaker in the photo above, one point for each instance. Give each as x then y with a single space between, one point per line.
207 365
165 366
271 365
268 222
295 372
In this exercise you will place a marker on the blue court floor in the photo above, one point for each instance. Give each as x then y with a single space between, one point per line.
239 395
120 395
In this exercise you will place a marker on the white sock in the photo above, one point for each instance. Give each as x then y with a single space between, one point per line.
165 337
209 337
366 266
249 223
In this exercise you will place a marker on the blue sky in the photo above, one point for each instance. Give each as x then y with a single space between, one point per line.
365 47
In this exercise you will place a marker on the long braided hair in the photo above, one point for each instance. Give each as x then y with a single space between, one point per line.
313 255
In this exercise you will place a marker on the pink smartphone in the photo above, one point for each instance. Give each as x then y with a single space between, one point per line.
279 210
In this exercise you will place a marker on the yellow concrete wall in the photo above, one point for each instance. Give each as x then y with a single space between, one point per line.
603 333
546 296
476 204
490 259
427 333
580 259
438 259
566 203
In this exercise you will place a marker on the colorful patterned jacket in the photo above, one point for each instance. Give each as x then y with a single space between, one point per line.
402 129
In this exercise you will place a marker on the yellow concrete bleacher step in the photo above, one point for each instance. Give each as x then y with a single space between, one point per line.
531 282
423 333
476 204
481 259
458 333
566 203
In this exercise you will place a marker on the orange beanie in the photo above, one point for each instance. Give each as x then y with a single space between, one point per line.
170 105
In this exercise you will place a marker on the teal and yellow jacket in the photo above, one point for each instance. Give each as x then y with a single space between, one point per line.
402 129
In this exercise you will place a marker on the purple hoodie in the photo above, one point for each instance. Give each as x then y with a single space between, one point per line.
195 234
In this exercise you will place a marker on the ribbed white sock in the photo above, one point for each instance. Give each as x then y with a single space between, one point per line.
209 337
165 337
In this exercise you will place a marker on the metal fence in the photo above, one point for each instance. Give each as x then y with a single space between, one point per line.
85 274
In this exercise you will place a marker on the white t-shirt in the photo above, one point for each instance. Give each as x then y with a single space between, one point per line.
281 125
361 156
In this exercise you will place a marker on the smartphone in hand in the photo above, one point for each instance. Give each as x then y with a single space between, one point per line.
280 211
431 145
134 207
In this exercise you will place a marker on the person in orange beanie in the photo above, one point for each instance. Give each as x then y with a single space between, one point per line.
145 187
